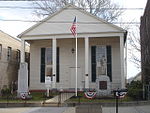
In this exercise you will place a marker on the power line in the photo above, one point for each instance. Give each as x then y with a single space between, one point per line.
67 22
20 7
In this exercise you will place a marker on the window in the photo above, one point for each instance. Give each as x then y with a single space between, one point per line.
48 61
18 55
9 52
101 60
0 51
47 65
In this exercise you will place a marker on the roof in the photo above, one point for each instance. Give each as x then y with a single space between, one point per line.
17 39
53 26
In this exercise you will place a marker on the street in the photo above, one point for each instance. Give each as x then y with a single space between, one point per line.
131 109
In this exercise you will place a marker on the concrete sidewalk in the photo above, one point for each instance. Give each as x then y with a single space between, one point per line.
132 109
14 110
39 110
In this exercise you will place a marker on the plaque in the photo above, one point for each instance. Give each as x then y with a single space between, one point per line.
103 85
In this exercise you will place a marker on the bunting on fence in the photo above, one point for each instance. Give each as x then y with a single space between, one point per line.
90 95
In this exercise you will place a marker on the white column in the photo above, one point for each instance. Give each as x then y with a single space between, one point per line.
86 62
54 62
22 50
122 61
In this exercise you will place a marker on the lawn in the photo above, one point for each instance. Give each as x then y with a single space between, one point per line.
82 98
36 97
41 96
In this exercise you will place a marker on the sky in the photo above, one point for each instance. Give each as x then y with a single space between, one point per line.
14 28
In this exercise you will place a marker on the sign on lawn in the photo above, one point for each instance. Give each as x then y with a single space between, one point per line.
48 81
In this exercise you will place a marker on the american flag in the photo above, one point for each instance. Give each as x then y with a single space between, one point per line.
73 27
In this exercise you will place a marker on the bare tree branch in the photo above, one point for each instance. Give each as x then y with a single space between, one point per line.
96 7
135 46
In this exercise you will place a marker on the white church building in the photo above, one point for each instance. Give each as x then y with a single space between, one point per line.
101 51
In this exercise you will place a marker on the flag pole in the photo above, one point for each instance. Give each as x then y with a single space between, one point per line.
76 60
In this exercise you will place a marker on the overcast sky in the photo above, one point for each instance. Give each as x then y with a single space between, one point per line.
15 28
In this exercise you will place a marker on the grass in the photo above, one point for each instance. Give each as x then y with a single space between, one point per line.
36 97
40 96
82 98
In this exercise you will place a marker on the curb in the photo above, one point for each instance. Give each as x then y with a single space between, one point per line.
5 105
138 103
72 104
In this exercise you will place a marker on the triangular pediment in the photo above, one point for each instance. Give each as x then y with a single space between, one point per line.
60 23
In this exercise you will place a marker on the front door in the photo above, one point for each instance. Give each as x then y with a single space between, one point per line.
73 78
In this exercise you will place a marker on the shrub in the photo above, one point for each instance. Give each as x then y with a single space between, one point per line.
135 90
6 91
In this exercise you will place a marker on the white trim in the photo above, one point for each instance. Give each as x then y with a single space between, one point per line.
103 35
54 45
86 62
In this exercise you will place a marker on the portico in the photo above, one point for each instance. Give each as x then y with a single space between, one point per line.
52 52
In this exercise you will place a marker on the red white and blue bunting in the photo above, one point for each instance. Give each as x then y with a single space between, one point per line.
90 95
121 94
23 96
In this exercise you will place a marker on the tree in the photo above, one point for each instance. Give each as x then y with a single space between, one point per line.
101 8
134 46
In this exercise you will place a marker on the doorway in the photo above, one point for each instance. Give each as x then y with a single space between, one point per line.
73 78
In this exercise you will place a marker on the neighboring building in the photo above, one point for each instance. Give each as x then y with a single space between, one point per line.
9 59
145 44
52 51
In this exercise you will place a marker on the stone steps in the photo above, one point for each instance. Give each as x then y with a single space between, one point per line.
61 98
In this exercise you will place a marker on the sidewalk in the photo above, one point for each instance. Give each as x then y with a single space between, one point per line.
38 110
14 110
70 110
128 109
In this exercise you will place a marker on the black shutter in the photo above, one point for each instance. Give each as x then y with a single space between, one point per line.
109 68
42 77
57 66
93 63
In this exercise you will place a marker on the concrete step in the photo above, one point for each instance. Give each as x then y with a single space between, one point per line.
61 98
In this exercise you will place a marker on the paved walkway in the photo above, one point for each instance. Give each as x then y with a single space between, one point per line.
13 110
38 110
63 97
70 110
47 110
133 109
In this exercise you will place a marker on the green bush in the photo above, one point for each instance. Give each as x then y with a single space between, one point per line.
135 90
6 91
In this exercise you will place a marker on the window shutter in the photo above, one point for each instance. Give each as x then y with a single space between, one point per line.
57 64
93 63
42 77
109 67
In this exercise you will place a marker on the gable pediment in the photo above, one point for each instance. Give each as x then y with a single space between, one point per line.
60 23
